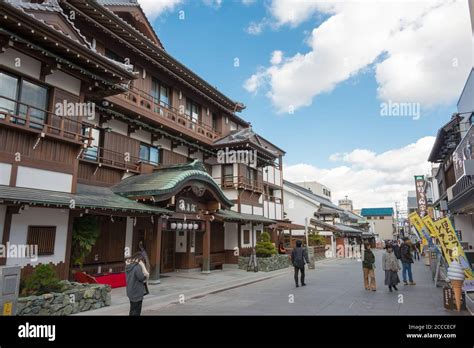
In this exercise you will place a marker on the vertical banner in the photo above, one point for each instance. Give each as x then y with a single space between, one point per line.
430 225
452 248
416 221
420 194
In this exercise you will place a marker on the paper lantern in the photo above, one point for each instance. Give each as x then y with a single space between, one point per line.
173 225
185 226
180 225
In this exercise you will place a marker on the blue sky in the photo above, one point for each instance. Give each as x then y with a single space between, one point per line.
344 117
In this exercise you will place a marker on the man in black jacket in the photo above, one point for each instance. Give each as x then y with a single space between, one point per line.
407 260
396 249
298 258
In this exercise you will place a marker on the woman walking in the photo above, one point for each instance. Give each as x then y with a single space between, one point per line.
137 276
368 266
391 267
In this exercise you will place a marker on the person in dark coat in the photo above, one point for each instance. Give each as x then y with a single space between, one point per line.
407 260
136 275
298 258
416 251
368 266
396 249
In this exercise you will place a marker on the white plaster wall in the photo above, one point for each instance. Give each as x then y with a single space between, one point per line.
278 213
297 209
117 127
235 208
64 81
278 177
246 209
465 224
271 174
43 179
384 228
141 135
28 65
265 174
40 217
197 155
231 235
257 210
5 172
271 210
230 194
163 143
182 150
129 235
3 209
265 208
217 172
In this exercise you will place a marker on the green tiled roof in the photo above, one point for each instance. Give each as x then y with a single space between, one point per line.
167 180
90 197
230 215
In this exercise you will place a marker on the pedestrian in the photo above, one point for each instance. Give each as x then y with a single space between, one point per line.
416 250
391 266
298 258
368 266
136 275
396 249
407 260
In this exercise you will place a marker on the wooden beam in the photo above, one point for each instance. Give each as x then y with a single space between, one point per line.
67 256
7 227
155 257
206 248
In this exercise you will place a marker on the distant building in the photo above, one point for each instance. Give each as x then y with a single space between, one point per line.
346 204
316 188
382 219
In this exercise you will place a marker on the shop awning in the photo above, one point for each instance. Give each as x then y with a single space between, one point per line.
230 215
340 228
87 197
168 181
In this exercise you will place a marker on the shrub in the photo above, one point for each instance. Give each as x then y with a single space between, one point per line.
43 280
264 247
86 230
315 239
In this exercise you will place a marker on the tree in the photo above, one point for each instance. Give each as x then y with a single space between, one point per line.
86 230
264 247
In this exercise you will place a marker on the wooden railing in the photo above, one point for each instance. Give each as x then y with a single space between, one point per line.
112 159
240 182
463 184
148 102
16 114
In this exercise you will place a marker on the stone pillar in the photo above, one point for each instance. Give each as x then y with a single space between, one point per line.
206 248
155 257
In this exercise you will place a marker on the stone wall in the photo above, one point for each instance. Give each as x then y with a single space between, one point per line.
267 264
76 298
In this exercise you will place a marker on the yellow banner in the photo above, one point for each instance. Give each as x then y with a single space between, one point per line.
430 225
415 220
452 249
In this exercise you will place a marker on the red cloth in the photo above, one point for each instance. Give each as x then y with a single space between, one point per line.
115 280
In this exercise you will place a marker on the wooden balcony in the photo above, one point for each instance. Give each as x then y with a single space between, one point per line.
24 117
111 159
240 182
463 184
272 199
148 106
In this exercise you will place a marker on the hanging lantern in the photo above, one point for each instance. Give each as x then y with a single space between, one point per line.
173 225
190 226
180 225
196 226
185 226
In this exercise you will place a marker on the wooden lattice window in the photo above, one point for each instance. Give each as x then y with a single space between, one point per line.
246 236
42 236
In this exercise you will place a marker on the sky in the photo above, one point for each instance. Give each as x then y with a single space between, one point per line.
353 91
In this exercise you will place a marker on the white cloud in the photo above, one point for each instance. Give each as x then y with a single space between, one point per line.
248 2
368 178
277 57
154 8
415 47
213 3
255 28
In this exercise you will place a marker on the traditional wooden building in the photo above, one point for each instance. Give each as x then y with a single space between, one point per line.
99 123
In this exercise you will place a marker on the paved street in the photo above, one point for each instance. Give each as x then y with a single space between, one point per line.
334 288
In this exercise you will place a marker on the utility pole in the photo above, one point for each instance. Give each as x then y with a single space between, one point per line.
397 220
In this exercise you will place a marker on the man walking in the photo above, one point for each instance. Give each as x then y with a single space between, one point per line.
407 260
396 249
298 258
368 267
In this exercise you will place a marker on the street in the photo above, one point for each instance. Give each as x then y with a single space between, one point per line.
334 288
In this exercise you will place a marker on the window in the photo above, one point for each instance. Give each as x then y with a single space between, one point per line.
246 236
215 121
149 154
32 94
228 175
251 175
160 93
92 152
114 56
42 236
193 110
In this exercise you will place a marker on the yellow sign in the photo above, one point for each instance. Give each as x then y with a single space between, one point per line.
452 249
7 308
430 225
417 223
